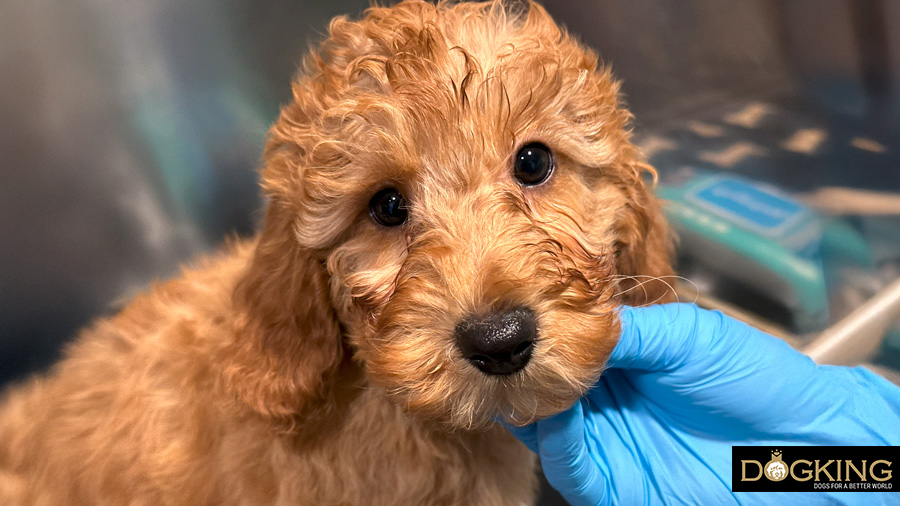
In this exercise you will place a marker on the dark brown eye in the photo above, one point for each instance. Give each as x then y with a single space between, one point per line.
533 164
388 207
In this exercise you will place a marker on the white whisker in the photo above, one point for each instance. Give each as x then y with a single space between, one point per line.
642 279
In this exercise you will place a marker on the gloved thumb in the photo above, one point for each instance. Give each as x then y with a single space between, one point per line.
566 459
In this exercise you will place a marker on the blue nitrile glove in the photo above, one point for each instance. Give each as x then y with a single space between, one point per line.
684 385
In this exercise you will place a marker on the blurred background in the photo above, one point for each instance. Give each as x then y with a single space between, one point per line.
130 133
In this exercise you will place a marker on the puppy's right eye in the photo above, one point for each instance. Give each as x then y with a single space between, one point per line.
533 164
388 208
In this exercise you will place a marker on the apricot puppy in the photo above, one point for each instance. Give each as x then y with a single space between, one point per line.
455 211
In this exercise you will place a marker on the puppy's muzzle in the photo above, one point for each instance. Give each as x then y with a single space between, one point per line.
500 343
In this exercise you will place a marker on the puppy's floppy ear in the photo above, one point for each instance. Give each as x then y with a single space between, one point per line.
644 249
287 347
288 357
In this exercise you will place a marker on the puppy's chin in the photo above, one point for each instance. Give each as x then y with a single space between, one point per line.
442 388
518 399
525 404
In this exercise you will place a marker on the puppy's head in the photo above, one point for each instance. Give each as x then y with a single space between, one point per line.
456 207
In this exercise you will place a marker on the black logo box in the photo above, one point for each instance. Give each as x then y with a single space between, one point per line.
744 469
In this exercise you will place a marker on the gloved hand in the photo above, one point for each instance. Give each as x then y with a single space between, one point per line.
685 384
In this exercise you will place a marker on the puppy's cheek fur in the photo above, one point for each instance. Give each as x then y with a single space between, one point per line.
363 273
431 382
412 355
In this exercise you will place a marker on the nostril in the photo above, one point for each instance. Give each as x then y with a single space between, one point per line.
480 358
522 348
500 343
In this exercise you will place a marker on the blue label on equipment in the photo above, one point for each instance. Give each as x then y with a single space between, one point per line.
749 205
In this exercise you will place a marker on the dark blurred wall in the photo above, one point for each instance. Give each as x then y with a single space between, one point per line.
676 55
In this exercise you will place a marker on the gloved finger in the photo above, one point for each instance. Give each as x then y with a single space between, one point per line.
655 337
611 437
722 364
566 459
606 404
527 434
664 337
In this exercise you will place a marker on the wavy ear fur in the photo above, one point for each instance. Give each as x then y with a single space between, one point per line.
287 349
645 245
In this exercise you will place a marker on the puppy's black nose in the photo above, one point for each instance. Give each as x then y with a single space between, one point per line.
499 343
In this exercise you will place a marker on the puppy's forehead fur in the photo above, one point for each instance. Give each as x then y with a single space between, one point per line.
435 99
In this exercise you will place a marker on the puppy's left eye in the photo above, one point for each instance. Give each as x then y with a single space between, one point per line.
388 207
533 164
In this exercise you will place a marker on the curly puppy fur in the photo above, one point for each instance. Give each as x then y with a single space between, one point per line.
316 364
